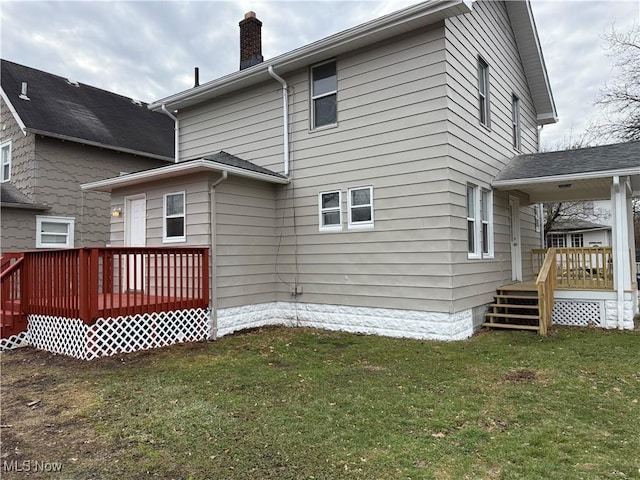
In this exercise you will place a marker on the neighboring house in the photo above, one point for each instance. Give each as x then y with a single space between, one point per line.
348 184
579 233
57 134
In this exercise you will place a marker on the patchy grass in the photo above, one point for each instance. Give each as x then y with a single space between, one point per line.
301 403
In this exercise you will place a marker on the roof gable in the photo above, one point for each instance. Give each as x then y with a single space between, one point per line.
85 114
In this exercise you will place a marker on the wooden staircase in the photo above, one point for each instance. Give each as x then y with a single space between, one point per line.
515 306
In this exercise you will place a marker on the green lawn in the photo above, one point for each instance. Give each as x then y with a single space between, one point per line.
301 403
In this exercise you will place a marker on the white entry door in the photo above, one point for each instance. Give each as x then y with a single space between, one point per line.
135 236
514 233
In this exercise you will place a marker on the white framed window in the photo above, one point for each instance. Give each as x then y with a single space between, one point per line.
556 240
360 207
54 232
479 222
537 217
330 211
324 95
174 223
483 92
5 161
515 122
577 240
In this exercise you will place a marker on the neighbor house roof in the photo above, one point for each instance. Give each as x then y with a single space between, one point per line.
577 225
11 197
219 162
380 29
61 108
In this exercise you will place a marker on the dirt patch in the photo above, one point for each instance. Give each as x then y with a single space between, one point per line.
48 404
522 375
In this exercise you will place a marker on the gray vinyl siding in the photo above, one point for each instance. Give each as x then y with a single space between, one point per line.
246 240
477 152
407 126
391 134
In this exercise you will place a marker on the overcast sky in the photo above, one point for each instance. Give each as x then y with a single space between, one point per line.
148 49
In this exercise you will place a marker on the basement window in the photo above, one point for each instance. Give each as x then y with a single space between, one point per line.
54 232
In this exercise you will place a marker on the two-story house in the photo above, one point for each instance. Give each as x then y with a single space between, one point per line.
347 184
57 134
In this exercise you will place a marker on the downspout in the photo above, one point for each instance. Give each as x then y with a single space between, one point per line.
285 114
619 257
176 131
213 284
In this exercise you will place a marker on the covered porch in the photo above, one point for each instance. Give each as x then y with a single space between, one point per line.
576 286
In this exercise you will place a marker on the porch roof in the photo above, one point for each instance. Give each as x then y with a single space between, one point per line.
11 197
218 162
579 174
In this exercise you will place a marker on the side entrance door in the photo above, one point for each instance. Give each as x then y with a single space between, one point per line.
514 233
135 236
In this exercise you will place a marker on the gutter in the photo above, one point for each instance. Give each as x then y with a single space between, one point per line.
213 284
176 130
285 118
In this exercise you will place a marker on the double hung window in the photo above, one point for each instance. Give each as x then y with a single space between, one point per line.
324 95
479 222
5 161
54 232
174 217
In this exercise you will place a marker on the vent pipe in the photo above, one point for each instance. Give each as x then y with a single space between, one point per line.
23 92
196 75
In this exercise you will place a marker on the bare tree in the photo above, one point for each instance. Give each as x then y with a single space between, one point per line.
558 213
620 99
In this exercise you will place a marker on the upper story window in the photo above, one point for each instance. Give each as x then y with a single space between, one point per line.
479 222
515 122
330 211
324 95
54 232
5 161
483 91
174 217
360 207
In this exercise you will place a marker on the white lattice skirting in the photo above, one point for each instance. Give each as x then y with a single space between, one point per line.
578 313
14 341
111 336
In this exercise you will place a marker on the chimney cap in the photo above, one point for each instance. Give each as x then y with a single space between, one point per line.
250 14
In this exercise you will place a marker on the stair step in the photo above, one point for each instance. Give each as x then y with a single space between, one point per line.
518 297
515 305
512 315
511 325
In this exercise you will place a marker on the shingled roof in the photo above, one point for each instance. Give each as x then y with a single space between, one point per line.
78 112
10 196
605 158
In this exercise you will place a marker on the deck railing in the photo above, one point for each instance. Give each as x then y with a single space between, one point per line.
12 320
580 268
546 285
90 283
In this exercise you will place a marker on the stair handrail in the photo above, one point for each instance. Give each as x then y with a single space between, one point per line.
546 285
14 266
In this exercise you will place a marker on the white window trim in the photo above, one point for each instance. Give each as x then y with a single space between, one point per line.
312 108
366 225
516 122
329 228
487 221
69 221
3 145
484 98
478 222
182 238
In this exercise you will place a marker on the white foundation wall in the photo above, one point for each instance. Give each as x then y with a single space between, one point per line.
375 321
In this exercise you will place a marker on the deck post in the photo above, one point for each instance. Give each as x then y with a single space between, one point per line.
83 291
93 285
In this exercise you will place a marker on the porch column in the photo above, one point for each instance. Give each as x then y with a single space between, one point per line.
621 234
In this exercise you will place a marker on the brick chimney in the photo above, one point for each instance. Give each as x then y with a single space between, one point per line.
250 41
